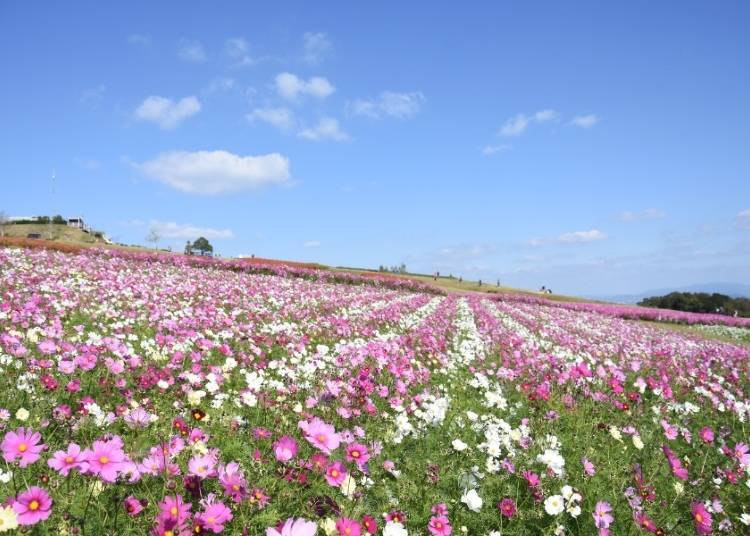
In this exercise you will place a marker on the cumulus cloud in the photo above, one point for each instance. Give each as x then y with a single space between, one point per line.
170 229
312 244
585 121
489 150
280 118
643 215
165 112
327 128
389 103
216 172
291 87
576 237
238 49
315 48
191 51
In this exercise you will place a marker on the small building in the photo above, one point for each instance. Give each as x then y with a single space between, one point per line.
76 222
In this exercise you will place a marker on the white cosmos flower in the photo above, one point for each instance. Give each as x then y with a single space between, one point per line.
459 445
554 505
472 500
394 529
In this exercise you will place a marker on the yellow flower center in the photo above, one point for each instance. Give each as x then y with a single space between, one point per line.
236 487
211 519
699 518
173 510
23 447
355 454
334 473
68 459
34 505
103 460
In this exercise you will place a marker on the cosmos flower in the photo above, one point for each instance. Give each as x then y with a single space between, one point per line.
32 506
22 443
294 527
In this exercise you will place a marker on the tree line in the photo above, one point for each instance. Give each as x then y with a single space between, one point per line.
700 302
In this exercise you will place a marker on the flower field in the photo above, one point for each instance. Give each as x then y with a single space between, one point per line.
140 395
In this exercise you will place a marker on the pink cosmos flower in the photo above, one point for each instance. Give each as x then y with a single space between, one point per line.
214 516
233 481
63 461
440 526
742 453
348 527
706 434
675 464
336 474
32 506
173 509
320 435
285 449
106 459
507 507
133 506
294 527
22 443
588 467
202 466
702 519
602 517
357 453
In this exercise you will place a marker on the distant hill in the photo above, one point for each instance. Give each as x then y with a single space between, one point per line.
735 290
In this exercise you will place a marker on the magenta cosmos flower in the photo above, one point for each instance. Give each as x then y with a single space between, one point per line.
22 443
285 449
507 507
320 435
32 506
294 527
702 519
440 526
348 527
336 474
63 461
602 516
357 453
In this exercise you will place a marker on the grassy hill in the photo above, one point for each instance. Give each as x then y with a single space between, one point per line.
54 232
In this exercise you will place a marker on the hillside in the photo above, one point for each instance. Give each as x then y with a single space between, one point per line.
54 232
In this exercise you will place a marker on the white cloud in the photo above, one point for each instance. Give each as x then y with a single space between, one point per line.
576 237
165 112
290 86
139 40
582 236
316 47
326 129
643 215
239 50
169 229
585 121
216 172
489 150
220 85
515 126
743 218
389 103
280 118
191 51
545 115
93 96
312 244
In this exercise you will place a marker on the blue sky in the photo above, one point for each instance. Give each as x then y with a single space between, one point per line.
593 147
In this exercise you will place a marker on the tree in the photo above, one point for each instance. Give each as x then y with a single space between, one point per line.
203 245
3 221
59 220
153 236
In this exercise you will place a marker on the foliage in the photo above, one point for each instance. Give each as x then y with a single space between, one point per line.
699 302
202 245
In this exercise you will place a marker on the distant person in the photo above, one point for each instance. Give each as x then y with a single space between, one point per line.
480 282
460 279
543 290
549 291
